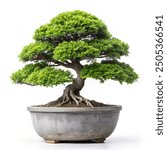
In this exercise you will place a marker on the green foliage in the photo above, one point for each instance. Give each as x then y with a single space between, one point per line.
40 74
49 76
75 50
113 70
65 41
112 48
72 25
36 50
21 75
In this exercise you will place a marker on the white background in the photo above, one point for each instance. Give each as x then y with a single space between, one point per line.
132 22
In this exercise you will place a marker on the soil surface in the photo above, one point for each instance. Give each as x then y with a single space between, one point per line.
72 104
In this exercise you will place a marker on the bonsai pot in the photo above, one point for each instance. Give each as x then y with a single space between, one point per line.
56 124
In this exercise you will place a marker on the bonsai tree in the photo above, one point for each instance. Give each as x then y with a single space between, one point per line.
77 41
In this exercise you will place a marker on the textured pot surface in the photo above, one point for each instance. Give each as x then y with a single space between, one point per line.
74 124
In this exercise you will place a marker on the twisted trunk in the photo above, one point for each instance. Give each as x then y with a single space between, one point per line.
76 86
72 91
78 82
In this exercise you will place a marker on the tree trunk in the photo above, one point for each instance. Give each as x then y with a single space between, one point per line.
78 82
72 91
76 86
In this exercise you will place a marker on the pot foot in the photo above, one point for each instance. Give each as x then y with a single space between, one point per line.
51 141
99 140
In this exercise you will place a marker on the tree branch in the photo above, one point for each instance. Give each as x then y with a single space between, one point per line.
72 64
26 83
66 64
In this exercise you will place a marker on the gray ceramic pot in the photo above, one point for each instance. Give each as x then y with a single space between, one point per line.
56 124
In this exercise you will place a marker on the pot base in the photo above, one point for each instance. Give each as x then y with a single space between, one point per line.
91 141
52 141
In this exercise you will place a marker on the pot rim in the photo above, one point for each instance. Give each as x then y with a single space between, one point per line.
116 108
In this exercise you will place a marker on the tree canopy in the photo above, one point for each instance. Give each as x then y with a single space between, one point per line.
76 40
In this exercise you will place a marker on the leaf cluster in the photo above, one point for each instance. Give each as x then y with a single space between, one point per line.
75 50
111 48
41 74
71 26
36 51
113 70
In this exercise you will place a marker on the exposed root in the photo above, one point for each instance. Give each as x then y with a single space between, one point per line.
74 97
69 96
88 103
